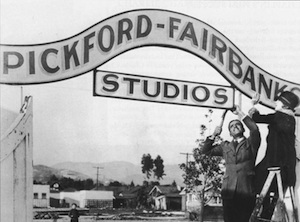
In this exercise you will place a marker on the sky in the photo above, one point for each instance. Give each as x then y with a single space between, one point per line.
69 124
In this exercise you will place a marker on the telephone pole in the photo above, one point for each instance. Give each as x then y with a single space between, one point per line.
187 161
186 164
97 183
187 158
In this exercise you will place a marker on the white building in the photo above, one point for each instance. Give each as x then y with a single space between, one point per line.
41 196
191 200
88 198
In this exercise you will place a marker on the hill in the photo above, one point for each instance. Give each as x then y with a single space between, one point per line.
118 170
42 173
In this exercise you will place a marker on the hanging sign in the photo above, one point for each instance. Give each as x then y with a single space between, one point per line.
55 61
160 90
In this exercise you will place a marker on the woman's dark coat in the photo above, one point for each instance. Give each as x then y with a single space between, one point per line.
280 148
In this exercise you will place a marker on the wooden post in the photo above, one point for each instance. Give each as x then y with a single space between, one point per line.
297 186
16 169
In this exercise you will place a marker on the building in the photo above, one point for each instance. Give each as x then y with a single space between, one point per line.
212 197
127 198
213 210
166 197
41 196
87 198
55 187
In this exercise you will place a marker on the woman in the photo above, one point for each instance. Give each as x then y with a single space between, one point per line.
280 150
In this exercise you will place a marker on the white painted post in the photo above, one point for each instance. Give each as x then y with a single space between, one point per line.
16 170
297 186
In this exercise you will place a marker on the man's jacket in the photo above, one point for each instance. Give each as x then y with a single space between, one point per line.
239 162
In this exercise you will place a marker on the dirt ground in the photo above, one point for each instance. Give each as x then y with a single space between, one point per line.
93 219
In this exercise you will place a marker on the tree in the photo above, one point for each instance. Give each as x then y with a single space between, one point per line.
142 196
174 184
37 182
154 183
147 165
65 183
203 173
115 184
159 168
88 184
132 184
156 166
53 179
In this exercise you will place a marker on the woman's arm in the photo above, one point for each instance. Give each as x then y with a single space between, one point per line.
255 138
258 118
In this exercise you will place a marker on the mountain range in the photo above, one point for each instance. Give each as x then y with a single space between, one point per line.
121 171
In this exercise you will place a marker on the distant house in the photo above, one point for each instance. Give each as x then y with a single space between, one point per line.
41 196
88 198
55 199
214 198
166 197
192 201
127 198
55 187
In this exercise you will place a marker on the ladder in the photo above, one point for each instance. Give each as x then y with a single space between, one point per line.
280 212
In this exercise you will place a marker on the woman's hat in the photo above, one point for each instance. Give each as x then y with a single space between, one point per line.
288 99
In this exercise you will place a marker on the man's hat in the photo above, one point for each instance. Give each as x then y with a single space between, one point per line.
288 99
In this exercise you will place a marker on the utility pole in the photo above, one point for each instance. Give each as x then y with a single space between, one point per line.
186 164
187 158
98 176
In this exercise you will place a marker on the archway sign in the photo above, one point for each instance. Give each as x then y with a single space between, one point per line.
55 61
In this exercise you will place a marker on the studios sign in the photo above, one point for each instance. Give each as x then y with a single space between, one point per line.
160 90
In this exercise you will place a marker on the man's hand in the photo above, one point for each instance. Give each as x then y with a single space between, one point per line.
218 131
252 111
236 110
255 99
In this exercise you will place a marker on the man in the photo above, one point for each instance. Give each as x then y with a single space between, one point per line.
280 151
238 192
74 213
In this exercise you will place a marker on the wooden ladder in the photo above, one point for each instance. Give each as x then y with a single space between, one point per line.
280 212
